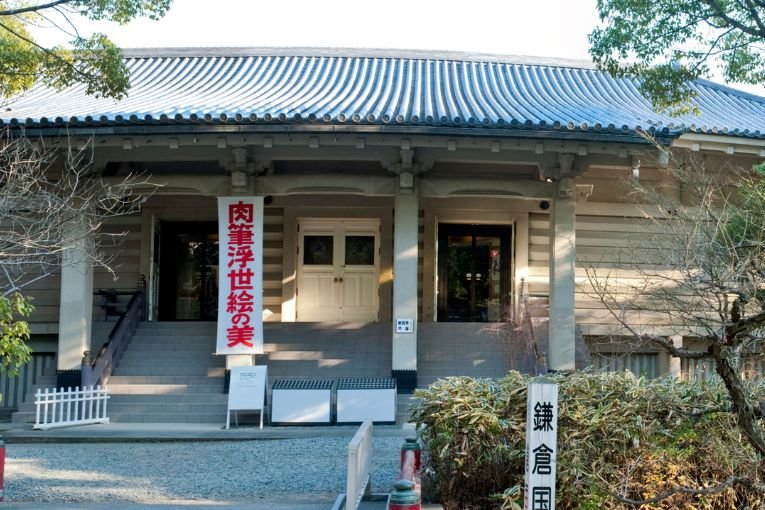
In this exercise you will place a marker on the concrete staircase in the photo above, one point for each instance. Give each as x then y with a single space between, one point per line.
26 410
168 374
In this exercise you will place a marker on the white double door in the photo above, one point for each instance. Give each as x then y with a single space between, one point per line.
338 267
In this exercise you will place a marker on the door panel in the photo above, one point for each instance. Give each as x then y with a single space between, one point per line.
188 265
338 271
474 273
318 296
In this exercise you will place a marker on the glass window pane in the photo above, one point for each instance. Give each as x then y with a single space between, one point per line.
317 250
359 250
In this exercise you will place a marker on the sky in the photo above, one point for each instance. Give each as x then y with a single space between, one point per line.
547 28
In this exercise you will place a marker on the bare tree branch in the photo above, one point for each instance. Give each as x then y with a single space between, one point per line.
33 8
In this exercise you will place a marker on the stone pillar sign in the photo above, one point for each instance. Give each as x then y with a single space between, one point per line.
541 445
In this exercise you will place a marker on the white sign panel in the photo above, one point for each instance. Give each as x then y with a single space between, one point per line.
240 280
247 391
541 445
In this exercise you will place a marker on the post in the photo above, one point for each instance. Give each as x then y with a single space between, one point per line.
86 370
2 469
562 342
76 308
404 497
405 226
411 444
541 444
675 364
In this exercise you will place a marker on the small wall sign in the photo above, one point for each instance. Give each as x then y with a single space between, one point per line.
404 325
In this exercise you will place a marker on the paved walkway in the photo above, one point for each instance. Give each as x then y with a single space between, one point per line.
125 432
173 432
223 505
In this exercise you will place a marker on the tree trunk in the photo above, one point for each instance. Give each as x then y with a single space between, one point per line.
740 400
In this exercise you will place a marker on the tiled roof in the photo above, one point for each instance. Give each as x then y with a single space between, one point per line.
354 87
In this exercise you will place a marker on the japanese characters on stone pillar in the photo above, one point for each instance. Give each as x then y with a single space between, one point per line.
240 275
541 445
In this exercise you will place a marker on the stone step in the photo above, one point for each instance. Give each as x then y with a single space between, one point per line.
171 371
164 356
24 416
116 407
137 398
165 389
176 324
173 340
170 368
164 379
168 417
152 353
188 362
177 330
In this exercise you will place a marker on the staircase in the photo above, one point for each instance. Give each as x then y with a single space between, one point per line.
168 374
26 410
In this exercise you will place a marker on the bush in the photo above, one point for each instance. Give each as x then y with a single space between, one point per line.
617 435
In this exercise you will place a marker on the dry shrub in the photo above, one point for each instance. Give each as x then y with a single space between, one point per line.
618 436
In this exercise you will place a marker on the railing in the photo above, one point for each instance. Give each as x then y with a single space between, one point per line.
65 407
705 369
98 372
359 466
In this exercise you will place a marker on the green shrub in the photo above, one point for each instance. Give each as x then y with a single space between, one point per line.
617 434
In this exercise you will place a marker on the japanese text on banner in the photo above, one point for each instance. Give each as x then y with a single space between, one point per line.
240 309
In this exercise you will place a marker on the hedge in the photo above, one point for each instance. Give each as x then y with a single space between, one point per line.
619 436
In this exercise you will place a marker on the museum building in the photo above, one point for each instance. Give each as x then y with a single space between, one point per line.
416 205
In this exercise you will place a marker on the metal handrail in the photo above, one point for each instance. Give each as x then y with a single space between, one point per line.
98 372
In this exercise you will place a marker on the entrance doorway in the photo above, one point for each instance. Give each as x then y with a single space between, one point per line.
188 260
337 277
474 268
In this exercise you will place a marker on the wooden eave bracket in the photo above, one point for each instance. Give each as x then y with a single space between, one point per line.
584 192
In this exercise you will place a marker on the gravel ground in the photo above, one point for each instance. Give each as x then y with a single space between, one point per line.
171 472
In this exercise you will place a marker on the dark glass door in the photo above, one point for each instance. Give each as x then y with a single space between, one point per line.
188 287
474 273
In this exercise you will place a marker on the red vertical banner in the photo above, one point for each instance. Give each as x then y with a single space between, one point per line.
240 289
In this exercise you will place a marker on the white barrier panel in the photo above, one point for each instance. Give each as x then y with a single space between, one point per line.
359 466
301 401
361 399
66 407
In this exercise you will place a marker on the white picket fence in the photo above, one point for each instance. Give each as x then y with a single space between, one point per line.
66 406
359 466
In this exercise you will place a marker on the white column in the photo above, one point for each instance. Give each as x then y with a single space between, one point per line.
76 308
406 207
675 367
562 346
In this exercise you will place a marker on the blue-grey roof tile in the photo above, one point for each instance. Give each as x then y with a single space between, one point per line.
359 87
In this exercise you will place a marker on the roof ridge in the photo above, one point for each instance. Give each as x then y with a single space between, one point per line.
302 51
728 89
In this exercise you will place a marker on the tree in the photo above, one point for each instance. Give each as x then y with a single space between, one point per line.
667 44
51 202
43 192
92 60
697 267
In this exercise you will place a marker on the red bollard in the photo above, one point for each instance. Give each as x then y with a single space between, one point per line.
411 444
404 497
2 469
